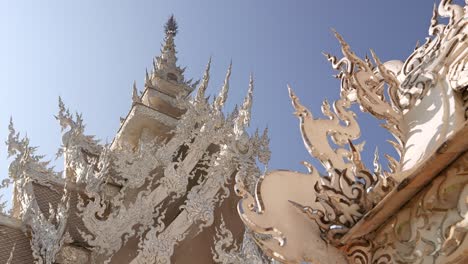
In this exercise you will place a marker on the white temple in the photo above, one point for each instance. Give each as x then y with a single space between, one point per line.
162 190
180 182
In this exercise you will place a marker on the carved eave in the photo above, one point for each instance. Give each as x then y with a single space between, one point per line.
414 181
142 117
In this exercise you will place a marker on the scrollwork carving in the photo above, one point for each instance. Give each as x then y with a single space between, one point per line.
430 229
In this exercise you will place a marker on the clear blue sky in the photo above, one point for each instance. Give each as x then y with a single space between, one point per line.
90 52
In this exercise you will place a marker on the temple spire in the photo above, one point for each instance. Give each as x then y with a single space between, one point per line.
168 52
166 62
204 84
221 99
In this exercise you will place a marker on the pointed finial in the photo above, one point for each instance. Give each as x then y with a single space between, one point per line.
64 116
13 142
221 99
11 126
349 54
147 80
171 26
235 112
340 38
265 134
301 111
375 58
243 118
247 105
204 85
135 97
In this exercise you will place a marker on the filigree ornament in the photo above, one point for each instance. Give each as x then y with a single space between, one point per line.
123 190
337 200
77 148
202 199
226 250
48 234
396 92
204 147
364 83
442 55
430 229
3 204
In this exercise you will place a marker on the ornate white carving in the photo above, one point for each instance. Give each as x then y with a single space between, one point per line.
48 234
417 101
202 199
429 229
77 149
73 255
3 204
226 251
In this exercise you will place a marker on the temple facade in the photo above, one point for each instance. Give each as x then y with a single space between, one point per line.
183 181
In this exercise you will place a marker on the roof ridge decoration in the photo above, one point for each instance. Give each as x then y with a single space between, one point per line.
48 234
306 221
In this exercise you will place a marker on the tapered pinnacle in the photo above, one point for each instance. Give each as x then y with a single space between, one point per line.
171 27
204 85
221 99
247 105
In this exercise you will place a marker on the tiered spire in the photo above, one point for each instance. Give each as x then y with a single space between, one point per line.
165 64
168 51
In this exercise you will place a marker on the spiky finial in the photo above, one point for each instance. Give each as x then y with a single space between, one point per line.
204 85
64 116
245 110
14 143
135 97
349 54
221 99
247 105
242 120
340 38
301 111
171 27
